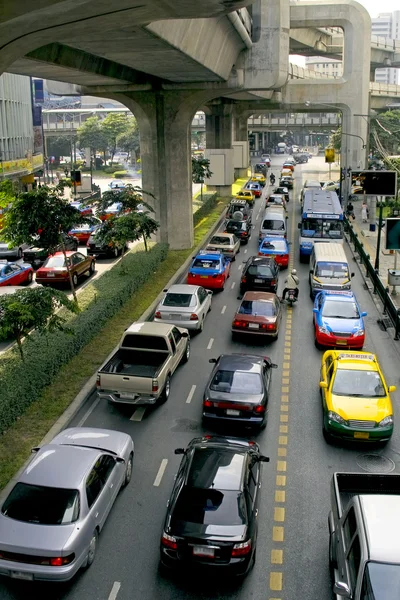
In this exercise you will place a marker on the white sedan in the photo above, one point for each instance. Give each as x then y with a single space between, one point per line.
184 305
226 243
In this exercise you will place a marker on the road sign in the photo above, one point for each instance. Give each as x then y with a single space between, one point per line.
329 155
393 233
374 183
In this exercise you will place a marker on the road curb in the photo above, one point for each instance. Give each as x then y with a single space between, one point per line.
68 415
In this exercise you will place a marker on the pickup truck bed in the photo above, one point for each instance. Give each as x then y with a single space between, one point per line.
135 364
347 485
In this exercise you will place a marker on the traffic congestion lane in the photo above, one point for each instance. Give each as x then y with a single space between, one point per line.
129 544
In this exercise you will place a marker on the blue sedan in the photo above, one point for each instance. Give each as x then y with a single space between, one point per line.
338 321
277 247
210 270
15 274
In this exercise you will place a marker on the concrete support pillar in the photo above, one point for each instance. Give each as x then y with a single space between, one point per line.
219 137
164 120
241 135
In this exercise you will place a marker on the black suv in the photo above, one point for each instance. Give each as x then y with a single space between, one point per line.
239 206
211 520
242 229
261 274
96 248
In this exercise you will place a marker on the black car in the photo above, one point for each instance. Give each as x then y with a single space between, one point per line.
242 229
97 248
211 521
238 389
286 182
239 206
261 274
261 168
36 256
283 190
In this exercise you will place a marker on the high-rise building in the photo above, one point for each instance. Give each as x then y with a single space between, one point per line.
325 65
387 25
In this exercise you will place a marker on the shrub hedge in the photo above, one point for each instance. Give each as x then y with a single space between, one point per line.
209 201
22 382
113 169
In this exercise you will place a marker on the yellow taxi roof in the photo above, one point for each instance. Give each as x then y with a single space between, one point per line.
357 361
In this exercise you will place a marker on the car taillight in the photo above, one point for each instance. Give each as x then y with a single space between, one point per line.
157 315
207 403
260 254
154 385
59 561
259 409
243 280
241 549
98 381
169 541
268 326
273 282
194 317
238 323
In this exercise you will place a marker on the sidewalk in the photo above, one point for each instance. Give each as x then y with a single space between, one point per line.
369 239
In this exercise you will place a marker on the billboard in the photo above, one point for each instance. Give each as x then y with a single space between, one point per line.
393 233
374 183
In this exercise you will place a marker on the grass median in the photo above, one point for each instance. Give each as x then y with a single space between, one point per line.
32 426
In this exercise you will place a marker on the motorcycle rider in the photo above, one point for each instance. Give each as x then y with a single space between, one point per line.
272 179
292 282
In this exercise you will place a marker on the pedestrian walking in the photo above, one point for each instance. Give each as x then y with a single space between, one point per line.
364 212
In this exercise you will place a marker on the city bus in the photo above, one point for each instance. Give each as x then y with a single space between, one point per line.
321 220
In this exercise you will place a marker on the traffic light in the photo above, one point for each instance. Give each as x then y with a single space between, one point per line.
76 178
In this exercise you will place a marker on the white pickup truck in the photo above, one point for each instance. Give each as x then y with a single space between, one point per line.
140 371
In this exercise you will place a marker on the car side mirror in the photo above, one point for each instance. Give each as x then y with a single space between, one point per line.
364 314
392 388
119 459
323 385
210 292
179 451
352 274
185 334
341 589
166 290
273 366
298 225
212 360
262 458
34 450
315 310
311 271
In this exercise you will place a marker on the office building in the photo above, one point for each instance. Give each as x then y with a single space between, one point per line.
387 25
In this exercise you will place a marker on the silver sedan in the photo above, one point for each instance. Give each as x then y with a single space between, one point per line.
51 519
185 306
227 243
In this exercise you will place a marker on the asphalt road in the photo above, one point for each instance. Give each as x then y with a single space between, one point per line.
292 549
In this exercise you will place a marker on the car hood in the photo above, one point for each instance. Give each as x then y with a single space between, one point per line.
30 538
345 325
361 409
232 533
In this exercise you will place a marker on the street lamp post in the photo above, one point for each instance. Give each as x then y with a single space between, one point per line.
378 242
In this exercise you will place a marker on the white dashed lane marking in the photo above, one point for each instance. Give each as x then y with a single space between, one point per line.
191 394
223 310
160 473
210 343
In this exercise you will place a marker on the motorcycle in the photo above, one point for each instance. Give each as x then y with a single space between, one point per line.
272 179
291 297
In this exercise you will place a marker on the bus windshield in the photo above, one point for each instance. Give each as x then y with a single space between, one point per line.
322 228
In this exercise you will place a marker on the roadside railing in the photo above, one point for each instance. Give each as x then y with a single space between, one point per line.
389 309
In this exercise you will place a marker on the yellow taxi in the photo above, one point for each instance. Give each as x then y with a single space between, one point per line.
355 398
246 195
259 178
286 173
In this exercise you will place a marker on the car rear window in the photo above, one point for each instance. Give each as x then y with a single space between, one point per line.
262 270
278 246
210 507
55 261
42 505
273 225
179 300
235 225
236 382
206 263
149 342
262 308
220 240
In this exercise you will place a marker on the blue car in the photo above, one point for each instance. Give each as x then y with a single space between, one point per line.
15 274
338 321
210 270
277 247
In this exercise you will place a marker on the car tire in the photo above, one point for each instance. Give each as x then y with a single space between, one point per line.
75 279
30 278
115 253
91 268
186 354
327 436
92 549
166 391
317 344
128 471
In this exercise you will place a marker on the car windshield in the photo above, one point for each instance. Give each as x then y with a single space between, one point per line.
220 240
340 310
260 308
260 270
349 382
381 581
210 507
320 228
334 270
206 263
236 382
55 261
42 505
278 246
178 300
273 225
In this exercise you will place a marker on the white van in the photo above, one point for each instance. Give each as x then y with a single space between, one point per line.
329 268
273 222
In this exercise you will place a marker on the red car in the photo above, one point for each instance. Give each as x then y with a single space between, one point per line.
14 274
210 270
54 270
84 231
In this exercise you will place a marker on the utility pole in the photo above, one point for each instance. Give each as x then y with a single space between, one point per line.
378 243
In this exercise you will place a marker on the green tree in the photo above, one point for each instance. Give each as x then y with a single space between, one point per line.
7 192
33 308
112 126
129 139
40 217
336 139
91 135
200 172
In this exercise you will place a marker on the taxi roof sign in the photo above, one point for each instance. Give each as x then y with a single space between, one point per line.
363 356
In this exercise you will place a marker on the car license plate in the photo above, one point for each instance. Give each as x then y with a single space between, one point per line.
361 435
232 413
254 326
127 395
21 575
341 343
51 274
258 281
203 276
203 551
176 317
